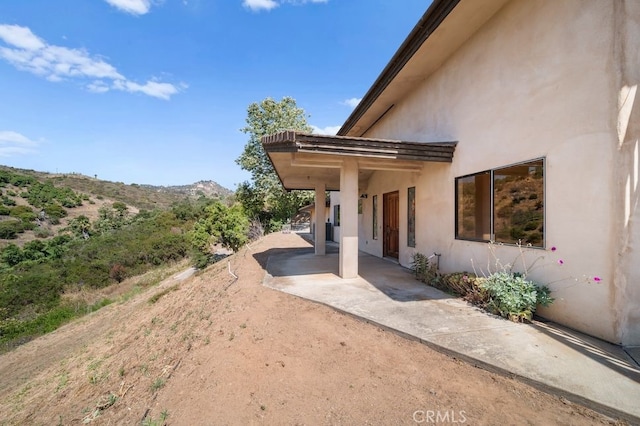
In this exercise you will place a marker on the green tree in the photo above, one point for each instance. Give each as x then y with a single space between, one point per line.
222 224
264 197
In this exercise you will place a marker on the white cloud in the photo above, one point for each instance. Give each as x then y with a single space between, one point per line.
13 143
257 5
134 7
97 86
28 52
329 130
353 102
20 37
151 88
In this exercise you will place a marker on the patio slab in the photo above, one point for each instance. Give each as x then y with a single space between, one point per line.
580 368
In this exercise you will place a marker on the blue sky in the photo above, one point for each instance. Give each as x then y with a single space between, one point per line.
155 91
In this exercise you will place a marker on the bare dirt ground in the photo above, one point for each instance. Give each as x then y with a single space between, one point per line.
215 350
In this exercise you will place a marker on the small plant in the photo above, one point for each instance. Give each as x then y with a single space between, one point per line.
426 269
158 384
514 297
62 381
164 415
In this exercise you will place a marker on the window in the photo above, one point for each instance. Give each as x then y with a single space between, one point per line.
375 217
505 205
336 215
411 217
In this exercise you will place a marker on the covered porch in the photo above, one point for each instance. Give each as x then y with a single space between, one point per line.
338 163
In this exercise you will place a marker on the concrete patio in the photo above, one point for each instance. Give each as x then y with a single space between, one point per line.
564 362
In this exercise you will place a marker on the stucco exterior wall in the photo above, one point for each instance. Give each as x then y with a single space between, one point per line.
627 119
540 80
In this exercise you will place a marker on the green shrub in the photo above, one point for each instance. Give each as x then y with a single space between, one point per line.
4 211
21 180
24 213
11 255
8 201
55 211
426 271
42 194
43 233
9 229
514 297
228 226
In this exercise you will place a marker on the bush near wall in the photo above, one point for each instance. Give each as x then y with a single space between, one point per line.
505 293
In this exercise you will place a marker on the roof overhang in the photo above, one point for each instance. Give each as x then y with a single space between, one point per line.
442 30
301 160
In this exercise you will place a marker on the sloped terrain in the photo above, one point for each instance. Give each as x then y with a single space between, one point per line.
213 349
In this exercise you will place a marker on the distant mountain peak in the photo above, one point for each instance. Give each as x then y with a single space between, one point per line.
208 188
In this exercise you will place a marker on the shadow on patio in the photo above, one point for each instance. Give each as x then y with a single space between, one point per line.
321 273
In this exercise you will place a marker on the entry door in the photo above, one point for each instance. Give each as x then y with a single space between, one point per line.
391 224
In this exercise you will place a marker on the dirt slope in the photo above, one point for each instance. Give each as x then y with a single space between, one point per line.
213 350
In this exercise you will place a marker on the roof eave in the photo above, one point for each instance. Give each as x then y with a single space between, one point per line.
430 21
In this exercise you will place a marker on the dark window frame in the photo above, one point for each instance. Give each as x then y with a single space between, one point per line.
492 203
411 216
336 215
375 217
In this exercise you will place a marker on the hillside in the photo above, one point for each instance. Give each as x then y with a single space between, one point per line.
67 235
215 350
206 188
87 196
144 197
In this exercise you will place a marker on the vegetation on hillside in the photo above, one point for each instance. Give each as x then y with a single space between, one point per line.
88 254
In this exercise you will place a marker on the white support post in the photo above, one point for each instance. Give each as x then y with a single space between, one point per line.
349 219
320 219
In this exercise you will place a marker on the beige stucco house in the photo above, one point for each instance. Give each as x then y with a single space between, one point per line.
505 121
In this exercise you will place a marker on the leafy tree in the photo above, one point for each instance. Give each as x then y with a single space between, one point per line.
222 224
264 197
230 225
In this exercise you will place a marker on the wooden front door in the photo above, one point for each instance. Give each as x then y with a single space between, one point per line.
391 224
